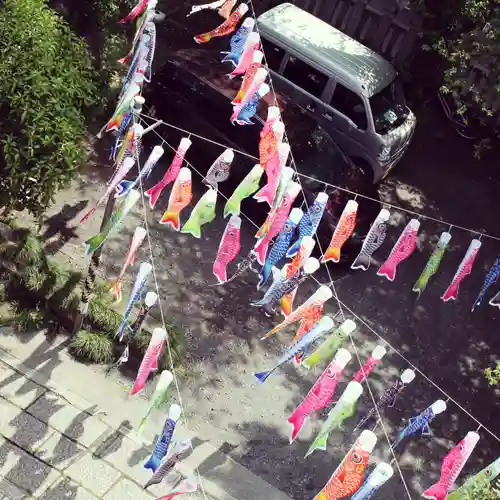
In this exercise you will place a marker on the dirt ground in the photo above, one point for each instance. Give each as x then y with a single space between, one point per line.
449 344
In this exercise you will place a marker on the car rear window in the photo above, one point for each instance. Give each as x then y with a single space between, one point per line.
274 54
304 76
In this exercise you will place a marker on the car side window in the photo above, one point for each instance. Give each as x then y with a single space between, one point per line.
306 77
274 54
349 104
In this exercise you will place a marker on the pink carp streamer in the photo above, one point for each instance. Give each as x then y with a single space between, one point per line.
453 463
171 174
135 12
150 359
404 247
464 269
321 393
137 240
376 357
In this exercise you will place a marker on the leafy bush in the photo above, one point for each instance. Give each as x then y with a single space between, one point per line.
40 284
96 347
100 313
493 374
25 319
466 34
46 85
484 491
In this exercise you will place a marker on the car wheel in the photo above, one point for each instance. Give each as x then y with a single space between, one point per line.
364 171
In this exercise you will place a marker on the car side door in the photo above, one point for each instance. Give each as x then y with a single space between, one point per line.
296 80
348 118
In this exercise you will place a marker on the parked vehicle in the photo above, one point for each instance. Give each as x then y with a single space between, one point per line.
351 91
192 91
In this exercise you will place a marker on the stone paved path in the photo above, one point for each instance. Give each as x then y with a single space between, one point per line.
51 449
67 432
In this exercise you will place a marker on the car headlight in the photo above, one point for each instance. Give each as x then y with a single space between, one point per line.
385 155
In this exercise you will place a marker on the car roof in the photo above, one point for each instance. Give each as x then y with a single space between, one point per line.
336 53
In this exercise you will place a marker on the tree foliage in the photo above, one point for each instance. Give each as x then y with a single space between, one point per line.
47 82
482 491
473 74
466 33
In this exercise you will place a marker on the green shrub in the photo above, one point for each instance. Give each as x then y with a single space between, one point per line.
47 82
493 374
33 278
55 286
95 346
25 319
482 491
30 252
100 314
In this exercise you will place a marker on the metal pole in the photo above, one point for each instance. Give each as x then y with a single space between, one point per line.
89 281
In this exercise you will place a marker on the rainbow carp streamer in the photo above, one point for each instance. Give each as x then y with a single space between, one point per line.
306 312
344 409
348 476
323 326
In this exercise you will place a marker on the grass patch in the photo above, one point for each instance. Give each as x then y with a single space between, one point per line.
42 292
25 320
94 346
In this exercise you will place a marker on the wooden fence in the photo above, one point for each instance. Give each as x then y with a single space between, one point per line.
388 27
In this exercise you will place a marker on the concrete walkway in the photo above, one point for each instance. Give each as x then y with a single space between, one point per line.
67 432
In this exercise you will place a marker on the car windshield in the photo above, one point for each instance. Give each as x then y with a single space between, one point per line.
388 108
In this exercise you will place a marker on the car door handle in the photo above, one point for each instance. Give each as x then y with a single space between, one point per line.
311 108
328 116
